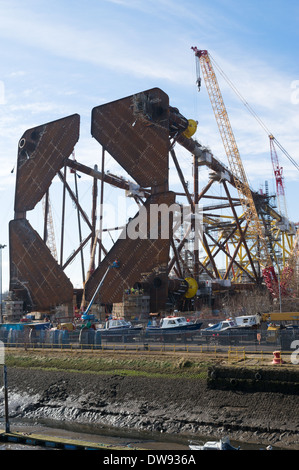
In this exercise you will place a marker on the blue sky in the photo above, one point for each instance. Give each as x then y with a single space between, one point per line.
63 57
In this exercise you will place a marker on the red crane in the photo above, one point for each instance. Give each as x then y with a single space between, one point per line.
278 174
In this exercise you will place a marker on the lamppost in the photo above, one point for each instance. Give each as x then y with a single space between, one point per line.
1 248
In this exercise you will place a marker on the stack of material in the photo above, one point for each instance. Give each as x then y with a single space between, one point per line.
134 307
13 310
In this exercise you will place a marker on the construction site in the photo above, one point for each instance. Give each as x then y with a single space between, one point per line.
187 250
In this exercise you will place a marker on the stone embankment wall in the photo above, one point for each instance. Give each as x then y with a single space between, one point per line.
281 380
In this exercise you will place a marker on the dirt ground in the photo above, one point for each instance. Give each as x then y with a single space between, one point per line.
170 405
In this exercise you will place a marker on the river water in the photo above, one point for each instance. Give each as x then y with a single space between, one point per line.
109 436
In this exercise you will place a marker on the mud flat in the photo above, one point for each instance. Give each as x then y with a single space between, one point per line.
255 410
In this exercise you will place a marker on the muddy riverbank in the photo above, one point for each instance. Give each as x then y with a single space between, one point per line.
178 406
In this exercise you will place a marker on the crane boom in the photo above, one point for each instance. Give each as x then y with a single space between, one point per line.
115 264
236 165
279 179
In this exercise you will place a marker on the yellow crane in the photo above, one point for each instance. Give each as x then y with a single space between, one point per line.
288 275
236 165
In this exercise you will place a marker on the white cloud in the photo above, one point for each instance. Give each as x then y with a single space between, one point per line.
149 48
18 73
35 108
101 46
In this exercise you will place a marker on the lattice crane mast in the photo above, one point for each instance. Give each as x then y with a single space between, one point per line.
288 275
49 234
235 163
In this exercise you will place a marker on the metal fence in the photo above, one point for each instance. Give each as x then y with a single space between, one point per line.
251 340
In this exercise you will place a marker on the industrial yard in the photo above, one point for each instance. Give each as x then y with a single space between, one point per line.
151 255
177 253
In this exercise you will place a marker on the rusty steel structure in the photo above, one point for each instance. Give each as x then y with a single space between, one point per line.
35 276
142 133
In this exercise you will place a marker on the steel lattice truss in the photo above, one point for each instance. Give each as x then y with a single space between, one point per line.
142 133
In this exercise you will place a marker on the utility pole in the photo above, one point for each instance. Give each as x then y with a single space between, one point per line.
7 425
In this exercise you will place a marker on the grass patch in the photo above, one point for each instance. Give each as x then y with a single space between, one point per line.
105 363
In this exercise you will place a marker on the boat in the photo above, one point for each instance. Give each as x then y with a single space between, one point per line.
222 444
227 330
228 326
119 329
221 326
173 326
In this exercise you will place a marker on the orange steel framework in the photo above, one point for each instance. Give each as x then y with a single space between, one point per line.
266 252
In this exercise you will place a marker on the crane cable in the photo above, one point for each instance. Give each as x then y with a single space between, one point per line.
253 113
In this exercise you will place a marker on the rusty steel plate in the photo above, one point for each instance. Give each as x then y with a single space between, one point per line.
135 131
139 259
35 276
41 153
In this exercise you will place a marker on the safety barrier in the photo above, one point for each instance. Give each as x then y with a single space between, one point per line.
240 355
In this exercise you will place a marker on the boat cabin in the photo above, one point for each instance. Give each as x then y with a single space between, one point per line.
117 323
172 322
248 320
222 325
